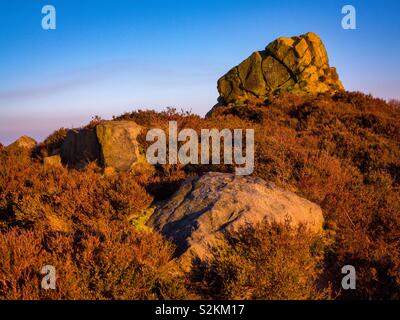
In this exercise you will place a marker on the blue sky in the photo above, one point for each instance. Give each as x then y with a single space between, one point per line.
107 57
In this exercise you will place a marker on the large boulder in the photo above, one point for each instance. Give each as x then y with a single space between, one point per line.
112 144
24 142
119 148
205 208
298 64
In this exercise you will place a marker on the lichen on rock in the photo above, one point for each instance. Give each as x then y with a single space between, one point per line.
112 144
298 64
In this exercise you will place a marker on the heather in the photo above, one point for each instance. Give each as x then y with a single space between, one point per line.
340 151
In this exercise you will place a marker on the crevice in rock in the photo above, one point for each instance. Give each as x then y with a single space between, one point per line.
264 55
291 73
241 85
283 84
311 48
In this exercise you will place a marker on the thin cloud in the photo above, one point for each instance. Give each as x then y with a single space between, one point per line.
66 81
91 74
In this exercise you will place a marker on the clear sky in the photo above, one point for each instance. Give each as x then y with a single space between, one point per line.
111 56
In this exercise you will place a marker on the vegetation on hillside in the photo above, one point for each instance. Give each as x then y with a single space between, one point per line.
341 151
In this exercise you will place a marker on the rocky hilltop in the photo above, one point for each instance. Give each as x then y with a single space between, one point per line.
86 200
298 64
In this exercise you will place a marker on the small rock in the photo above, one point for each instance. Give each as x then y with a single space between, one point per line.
52 161
109 171
24 142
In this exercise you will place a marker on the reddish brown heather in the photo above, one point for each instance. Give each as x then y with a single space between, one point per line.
341 151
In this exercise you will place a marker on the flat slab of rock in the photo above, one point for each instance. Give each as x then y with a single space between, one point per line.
206 207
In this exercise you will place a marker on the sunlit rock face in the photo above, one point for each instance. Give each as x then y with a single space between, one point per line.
298 64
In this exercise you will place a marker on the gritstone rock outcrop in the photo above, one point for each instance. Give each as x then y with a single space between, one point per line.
298 64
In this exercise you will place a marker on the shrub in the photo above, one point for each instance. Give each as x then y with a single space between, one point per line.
264 262
78 222
114 262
